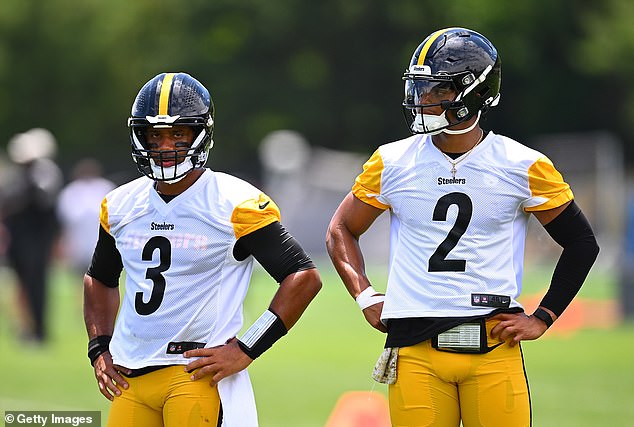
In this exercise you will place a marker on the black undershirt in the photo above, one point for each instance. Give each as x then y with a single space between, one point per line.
275 249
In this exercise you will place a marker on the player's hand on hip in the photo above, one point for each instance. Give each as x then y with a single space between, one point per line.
109 376
516 327
217 362
373 316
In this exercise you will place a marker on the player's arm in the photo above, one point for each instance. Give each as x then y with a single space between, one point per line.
573 232
351 219
285 260
568 226
101 304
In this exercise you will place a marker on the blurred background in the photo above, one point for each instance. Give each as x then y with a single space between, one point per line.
304 93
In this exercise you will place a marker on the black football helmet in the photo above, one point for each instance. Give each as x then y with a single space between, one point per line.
167 100
457 69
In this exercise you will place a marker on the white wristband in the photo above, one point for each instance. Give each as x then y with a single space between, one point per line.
367 298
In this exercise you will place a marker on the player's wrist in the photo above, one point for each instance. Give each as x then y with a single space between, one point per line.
262 334
369 297
98 346
544 316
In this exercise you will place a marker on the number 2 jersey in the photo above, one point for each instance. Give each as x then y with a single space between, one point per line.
183 283
457 242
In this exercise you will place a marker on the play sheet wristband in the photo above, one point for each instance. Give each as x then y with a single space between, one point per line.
367 298
262 334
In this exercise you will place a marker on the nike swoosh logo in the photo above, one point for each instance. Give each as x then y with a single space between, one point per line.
263 205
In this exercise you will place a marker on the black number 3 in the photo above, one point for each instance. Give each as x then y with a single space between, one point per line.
438 261
154 274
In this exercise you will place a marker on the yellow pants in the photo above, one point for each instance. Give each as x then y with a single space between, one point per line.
166 397
436 388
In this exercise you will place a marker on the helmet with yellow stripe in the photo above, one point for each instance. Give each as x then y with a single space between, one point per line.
456 69
171 99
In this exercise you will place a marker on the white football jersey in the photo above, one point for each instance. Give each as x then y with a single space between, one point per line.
457 243
182 280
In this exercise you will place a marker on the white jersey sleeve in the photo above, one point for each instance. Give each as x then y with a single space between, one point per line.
457 242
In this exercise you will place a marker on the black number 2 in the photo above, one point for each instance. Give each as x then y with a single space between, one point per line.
438 261
154 274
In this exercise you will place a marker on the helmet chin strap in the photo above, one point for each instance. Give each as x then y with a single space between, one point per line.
461 131
438 121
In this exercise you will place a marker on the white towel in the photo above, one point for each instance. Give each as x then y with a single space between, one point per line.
238 401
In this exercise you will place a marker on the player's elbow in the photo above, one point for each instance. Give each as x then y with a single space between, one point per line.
329 240
334 236
594 248
312 283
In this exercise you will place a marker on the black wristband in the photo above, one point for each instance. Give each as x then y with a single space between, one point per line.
262 334
97 346
544 316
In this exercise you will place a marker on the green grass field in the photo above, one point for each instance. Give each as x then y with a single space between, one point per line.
582 379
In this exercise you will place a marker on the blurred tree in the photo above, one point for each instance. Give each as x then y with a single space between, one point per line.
605 53
330 70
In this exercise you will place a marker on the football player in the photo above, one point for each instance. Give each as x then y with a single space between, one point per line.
459 200
187 238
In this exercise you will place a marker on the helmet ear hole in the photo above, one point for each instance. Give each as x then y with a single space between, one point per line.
462 113
484 92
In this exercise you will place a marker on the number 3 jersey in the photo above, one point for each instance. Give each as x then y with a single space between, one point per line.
182 280
457 242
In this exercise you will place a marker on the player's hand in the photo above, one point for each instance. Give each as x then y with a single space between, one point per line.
516 327
218 362
109 376
373 316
